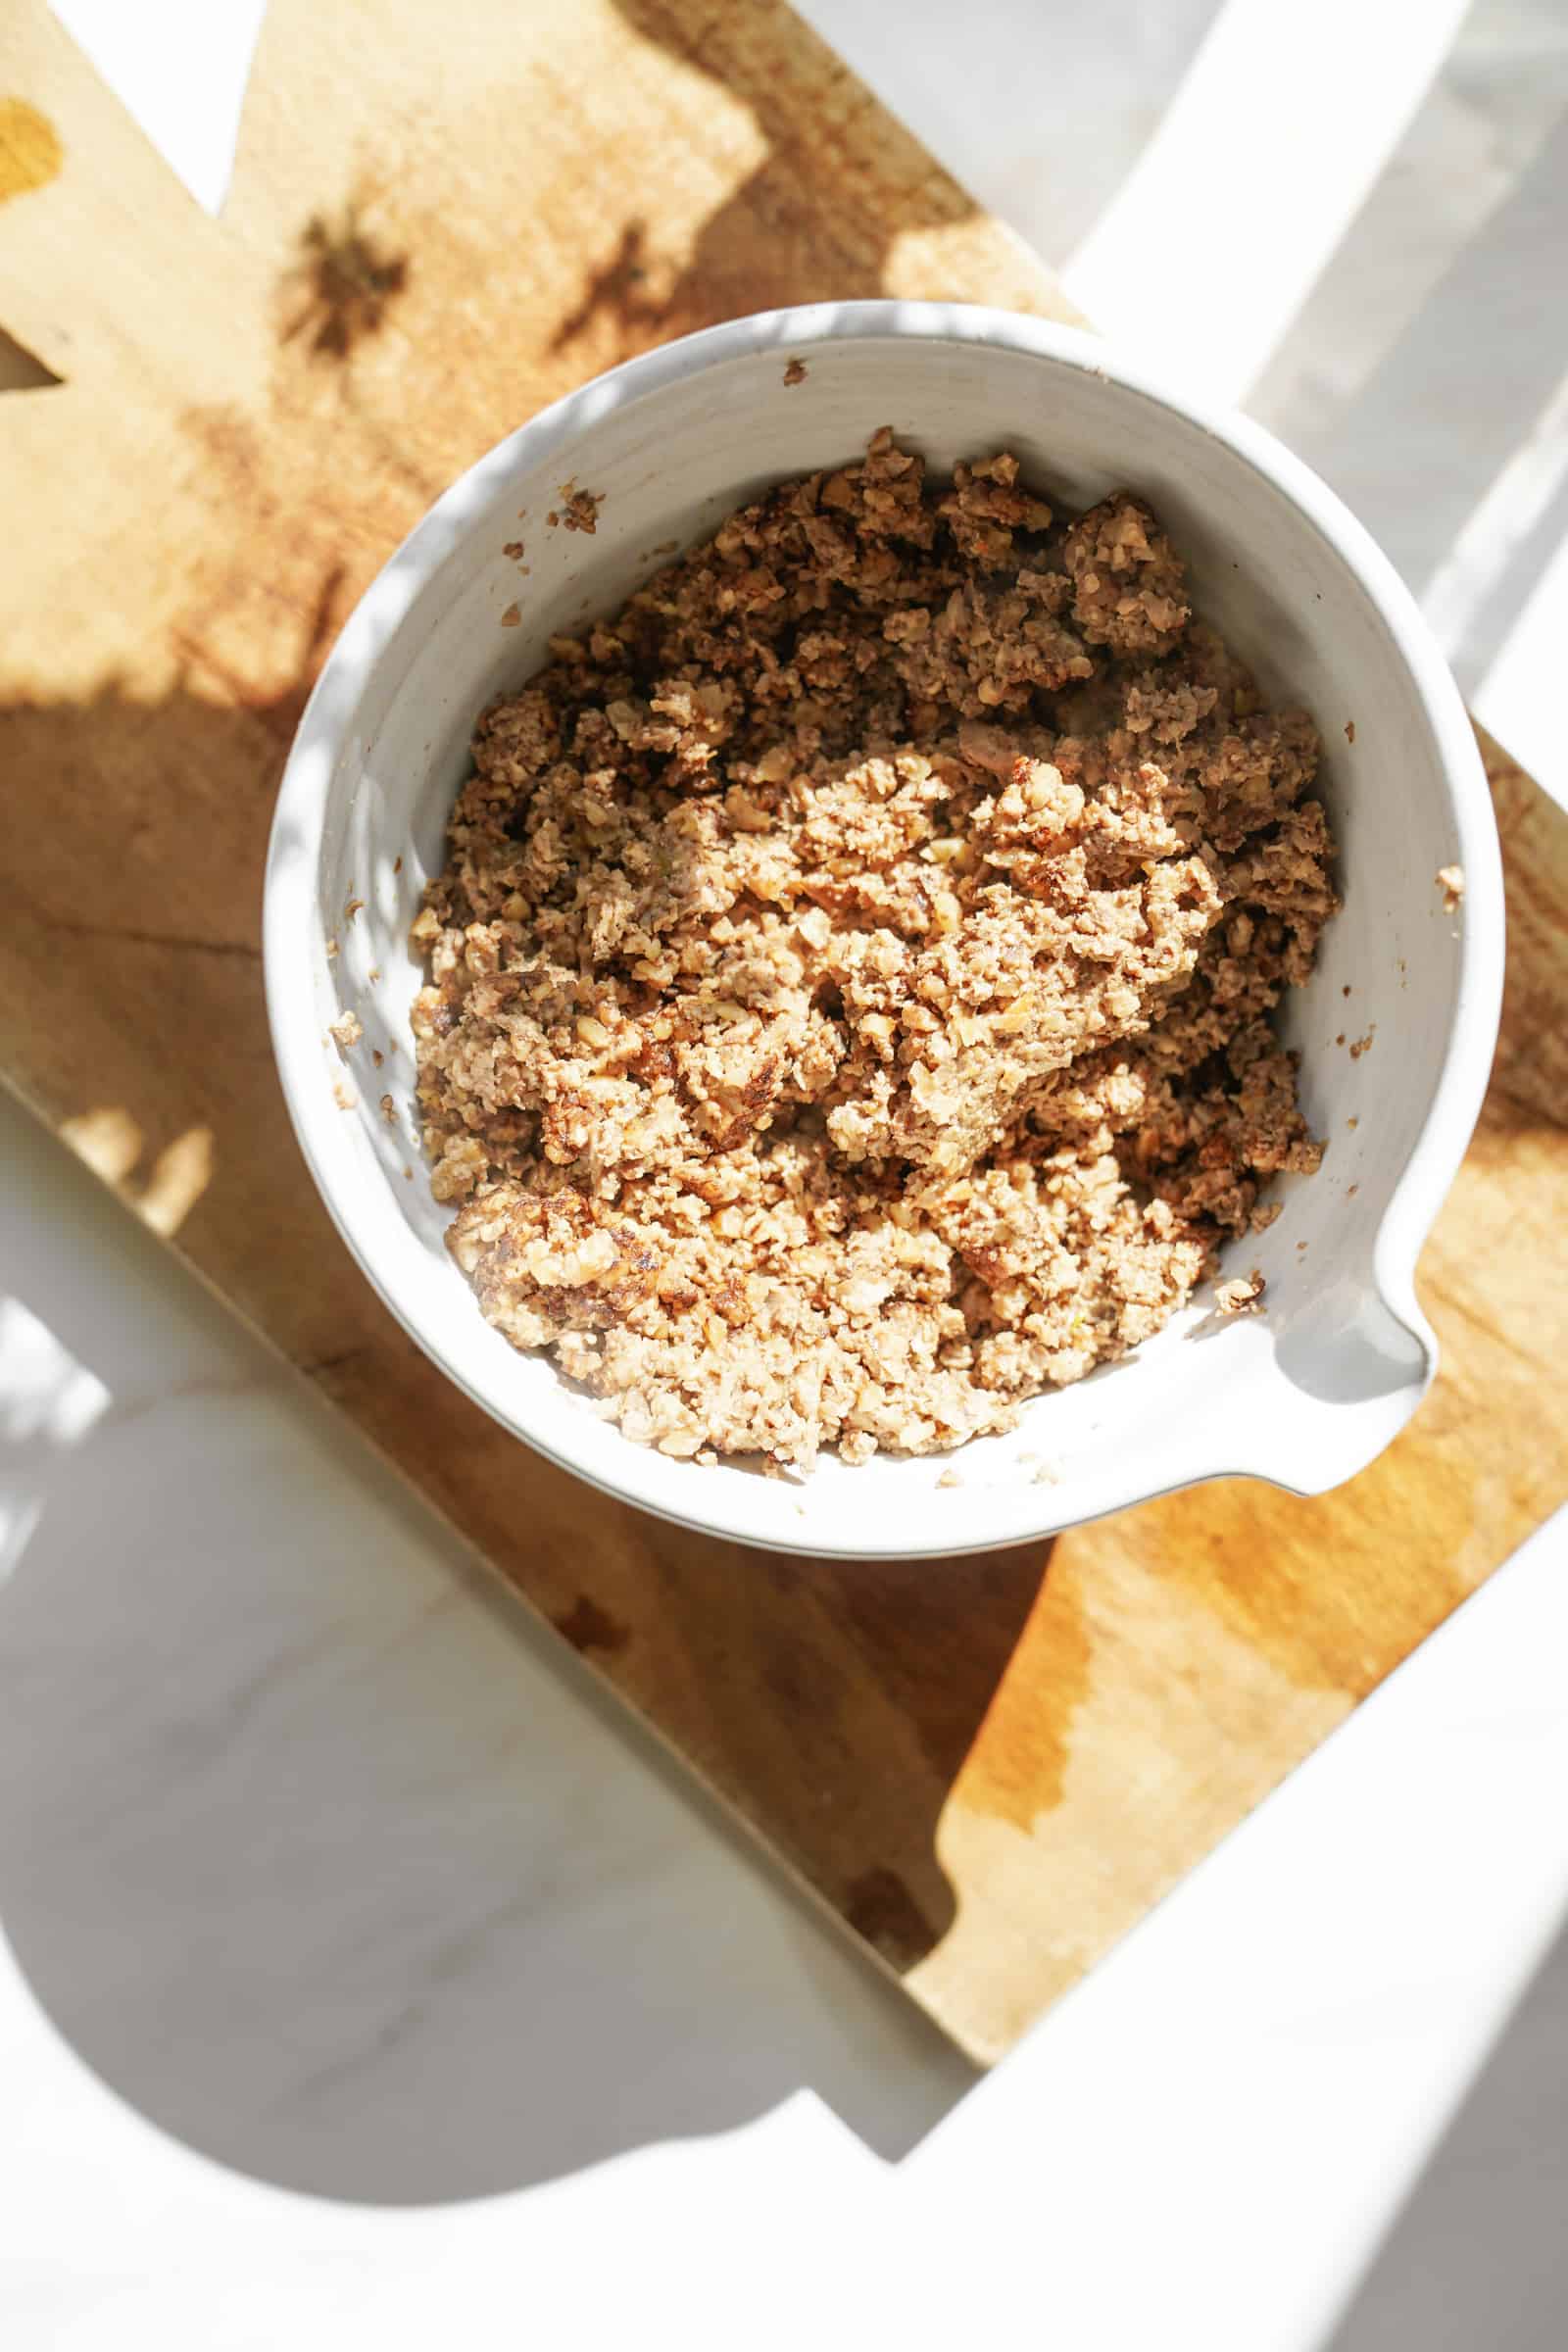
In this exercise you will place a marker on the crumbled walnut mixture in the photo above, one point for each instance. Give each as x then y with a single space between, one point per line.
578 510
1450 881
850 978
1241 1297
347 1030
795 373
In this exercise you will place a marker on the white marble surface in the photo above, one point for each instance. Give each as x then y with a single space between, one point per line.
367 1978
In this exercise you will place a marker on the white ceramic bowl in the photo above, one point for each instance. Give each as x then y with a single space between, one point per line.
1302 1395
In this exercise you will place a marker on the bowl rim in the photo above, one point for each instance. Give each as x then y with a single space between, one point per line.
299 822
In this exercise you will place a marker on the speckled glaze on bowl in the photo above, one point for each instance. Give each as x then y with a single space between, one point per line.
1304 1396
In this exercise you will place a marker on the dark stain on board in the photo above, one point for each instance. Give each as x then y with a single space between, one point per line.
881 1909
343 283
617 290
586 1626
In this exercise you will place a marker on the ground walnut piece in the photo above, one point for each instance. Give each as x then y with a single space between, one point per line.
850 983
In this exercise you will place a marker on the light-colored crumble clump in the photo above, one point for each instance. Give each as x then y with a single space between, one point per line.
849 982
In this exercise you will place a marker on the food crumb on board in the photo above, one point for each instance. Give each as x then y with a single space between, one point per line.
347 1029
873 1004
949 1478
1349 730
1243 1295
1450 881
1352 1120
795 373
343 1096
1300 1245
389 1111
1340 1040
1351 1191
1363 1044
514 548
510 616
1345 990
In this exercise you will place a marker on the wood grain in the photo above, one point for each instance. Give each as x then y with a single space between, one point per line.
989 1768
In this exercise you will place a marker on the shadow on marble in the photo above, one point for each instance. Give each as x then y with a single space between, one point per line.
312 1846
1479 2254
1462 391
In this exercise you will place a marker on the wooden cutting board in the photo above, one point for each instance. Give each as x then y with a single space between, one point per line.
441 217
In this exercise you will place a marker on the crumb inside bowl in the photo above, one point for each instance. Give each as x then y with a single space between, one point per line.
658 456
852 969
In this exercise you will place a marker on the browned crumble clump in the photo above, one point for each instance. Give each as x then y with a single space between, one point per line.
578 509
850 978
